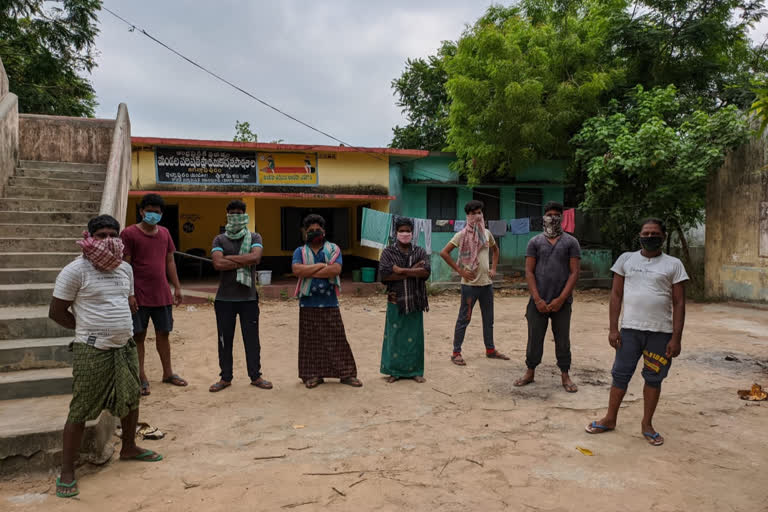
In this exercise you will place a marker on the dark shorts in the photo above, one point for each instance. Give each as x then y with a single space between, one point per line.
652 347
162 319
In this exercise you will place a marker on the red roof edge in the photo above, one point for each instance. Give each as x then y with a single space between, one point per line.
264 146
264 195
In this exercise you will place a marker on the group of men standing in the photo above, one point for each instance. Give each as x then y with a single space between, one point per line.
121 282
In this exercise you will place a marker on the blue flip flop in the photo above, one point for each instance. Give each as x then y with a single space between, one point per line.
654 438
595 425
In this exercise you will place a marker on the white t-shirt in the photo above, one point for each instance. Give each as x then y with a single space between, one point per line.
648 290
99 302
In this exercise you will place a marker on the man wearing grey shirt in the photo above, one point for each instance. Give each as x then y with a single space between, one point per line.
551 269
652 286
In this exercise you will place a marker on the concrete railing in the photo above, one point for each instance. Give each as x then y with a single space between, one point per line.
9 130
114 200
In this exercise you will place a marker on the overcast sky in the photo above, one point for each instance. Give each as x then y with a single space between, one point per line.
327 63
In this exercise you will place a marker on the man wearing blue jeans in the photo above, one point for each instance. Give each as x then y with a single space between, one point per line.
475 244
651 285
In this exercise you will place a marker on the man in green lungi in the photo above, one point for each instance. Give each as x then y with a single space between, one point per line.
98 287
404 268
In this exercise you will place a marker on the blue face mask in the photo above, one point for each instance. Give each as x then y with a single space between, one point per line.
152 218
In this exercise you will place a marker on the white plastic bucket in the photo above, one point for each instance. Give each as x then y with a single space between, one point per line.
265 277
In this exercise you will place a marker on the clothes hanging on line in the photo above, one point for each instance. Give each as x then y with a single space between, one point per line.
459 225
423 226
375 229
498 228
520 226
569 220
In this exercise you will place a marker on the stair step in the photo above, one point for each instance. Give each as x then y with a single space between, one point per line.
39 164
34 383
41 230
21 181
37 244
64 194
36 353
29 217
28 275
60 175
29 322
37 259
35 445
31 294
48 205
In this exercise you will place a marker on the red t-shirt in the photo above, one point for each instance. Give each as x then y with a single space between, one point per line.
148 258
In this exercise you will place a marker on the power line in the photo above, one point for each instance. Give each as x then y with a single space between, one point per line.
132 28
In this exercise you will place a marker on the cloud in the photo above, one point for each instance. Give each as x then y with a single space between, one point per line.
328 63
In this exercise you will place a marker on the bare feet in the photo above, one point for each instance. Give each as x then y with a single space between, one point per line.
391 379
568 383
525 379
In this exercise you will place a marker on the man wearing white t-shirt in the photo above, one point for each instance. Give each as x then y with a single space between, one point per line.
98 287
652 286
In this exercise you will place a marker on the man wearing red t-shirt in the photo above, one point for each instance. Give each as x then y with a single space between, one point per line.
149 249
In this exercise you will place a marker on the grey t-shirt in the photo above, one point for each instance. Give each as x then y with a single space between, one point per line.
229 289
648 290
553 263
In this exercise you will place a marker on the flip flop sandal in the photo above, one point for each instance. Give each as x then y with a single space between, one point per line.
392 379
352 381
596 428
175 380
572 389
654 439
215 388
497 355
145 388
146 456
261 383
72 486
313 383
458 360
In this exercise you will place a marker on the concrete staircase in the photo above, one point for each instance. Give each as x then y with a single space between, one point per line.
44 210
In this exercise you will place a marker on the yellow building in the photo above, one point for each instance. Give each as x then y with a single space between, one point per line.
280 184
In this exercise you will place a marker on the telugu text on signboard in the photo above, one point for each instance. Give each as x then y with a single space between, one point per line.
205 167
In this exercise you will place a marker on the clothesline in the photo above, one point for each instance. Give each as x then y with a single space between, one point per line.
378 228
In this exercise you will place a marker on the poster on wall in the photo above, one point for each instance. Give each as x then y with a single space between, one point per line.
763 248
287 169
206 167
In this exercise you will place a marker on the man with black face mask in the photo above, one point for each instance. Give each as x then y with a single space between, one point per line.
652 286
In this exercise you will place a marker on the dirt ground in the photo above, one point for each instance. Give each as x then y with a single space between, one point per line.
464 440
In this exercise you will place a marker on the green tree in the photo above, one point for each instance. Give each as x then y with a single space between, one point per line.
46 49
649 156
524 78
243 132
700 46
422 96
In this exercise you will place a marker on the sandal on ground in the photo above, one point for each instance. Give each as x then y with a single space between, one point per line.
496 355
352 381
175 380
570 388
392 379
458 360
145 388
70 491
522 381
215 388
654 439
420 379
596 428
313 382
261 383
145 456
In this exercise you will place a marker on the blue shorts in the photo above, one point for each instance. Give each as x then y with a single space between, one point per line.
652 346
162 319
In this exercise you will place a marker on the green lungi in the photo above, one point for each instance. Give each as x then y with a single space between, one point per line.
104 379
402 354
